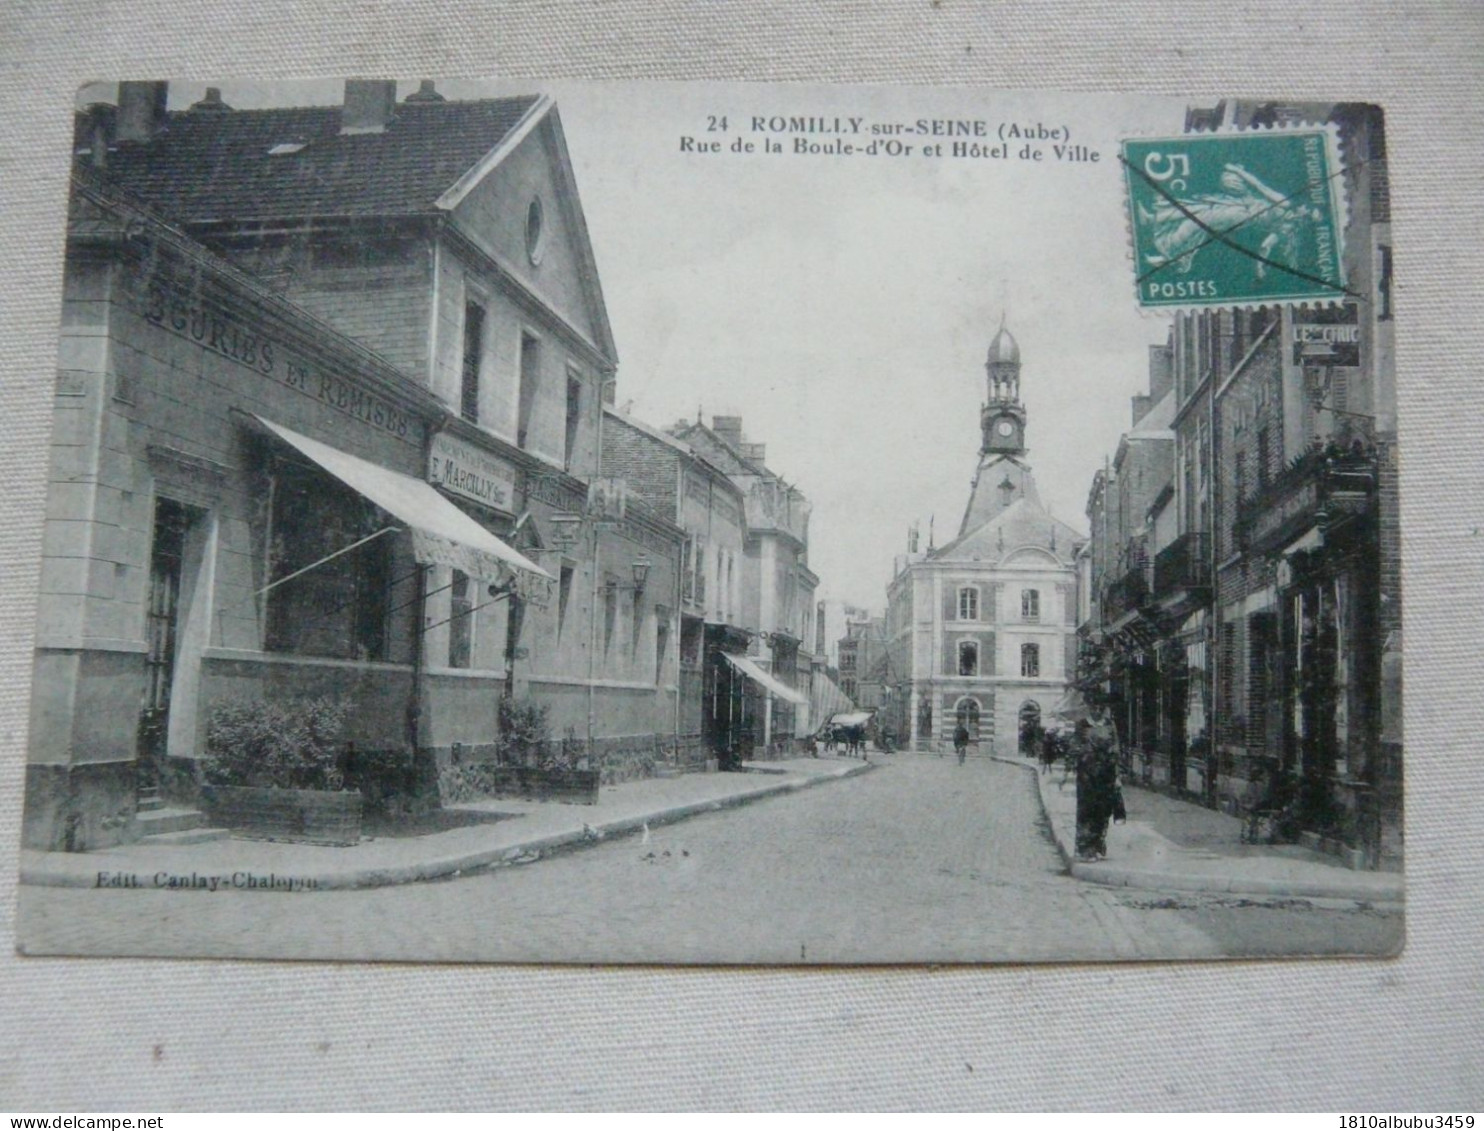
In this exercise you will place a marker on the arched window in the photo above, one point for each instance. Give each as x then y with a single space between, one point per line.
1030 727
967 712
968 657
968 603
1030 661
1030 604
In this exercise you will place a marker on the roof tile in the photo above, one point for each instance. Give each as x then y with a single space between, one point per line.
204 167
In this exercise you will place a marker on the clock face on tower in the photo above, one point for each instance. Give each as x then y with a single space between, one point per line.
1005 428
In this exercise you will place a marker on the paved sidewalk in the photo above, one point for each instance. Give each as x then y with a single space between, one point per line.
1172 845
522 832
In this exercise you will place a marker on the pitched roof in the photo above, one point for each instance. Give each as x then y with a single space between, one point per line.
717 451
1023 523
206 166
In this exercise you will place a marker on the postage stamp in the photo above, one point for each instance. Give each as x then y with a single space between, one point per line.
1233 218
385 613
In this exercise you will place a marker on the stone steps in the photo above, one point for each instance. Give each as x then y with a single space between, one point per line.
188 836
167 819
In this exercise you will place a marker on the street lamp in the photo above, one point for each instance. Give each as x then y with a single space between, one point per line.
641 574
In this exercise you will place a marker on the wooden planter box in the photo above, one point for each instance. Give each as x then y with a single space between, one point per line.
578 787
310 816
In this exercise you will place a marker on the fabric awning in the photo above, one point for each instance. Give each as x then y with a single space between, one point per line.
852 719
441 533
825 697
765 679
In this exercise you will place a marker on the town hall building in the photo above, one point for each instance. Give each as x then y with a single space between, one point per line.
982 631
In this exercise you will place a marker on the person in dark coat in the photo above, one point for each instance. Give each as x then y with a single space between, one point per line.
961 741
1096 750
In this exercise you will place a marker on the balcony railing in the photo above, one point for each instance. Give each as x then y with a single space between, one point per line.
1319 487
1128 593
1183 565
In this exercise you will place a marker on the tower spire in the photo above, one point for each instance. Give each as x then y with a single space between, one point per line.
1003 417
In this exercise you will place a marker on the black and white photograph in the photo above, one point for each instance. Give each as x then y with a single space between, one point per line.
692 523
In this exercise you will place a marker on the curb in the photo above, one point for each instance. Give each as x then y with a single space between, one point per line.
1147 880
451 866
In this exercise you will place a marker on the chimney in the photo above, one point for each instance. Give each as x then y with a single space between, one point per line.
729 428
758 452
212 103
141 110
96 128
425 92
369 104
1161 371
1141 405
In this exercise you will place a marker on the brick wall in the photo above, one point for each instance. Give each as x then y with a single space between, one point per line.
649 465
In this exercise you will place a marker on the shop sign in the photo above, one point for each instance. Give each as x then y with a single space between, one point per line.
463 469
1327 336
222 332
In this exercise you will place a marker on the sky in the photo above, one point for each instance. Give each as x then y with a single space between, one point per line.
843 305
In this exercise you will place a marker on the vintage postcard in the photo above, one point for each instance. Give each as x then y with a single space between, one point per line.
501 522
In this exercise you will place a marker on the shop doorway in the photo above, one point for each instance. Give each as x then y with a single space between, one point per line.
1030 728
967 716
176 553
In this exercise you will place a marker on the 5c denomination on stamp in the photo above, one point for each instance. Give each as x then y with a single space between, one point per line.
1235 218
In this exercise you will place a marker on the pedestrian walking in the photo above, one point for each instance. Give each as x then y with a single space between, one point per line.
1051 741
961 742
1096 751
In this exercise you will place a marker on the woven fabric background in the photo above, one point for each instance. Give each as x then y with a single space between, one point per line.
1353 1036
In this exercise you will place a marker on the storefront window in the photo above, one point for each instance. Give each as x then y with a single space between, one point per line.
336 607
461 623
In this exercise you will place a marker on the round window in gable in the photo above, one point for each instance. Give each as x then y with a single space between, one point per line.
535 230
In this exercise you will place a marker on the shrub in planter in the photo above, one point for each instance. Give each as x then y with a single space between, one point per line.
279 745
274 768
525 734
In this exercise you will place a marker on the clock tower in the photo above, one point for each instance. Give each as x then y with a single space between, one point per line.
1002 418
1003 477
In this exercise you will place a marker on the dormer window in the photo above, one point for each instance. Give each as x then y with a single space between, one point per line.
968 603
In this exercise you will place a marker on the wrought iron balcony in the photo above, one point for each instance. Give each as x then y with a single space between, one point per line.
1126 595
1183 565
1320 487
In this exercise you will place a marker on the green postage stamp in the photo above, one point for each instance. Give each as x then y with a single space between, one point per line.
1235 218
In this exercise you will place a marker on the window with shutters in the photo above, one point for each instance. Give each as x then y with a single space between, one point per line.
473 355
530 381
574 419
968 603
564 597
661 643
610 613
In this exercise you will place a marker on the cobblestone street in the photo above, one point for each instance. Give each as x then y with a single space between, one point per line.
920 860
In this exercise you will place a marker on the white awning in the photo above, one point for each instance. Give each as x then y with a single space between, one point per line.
765 679
852 719
441 533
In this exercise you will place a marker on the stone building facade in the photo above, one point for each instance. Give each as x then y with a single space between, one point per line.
982 631
775 587
1263 651
329 414
699 498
